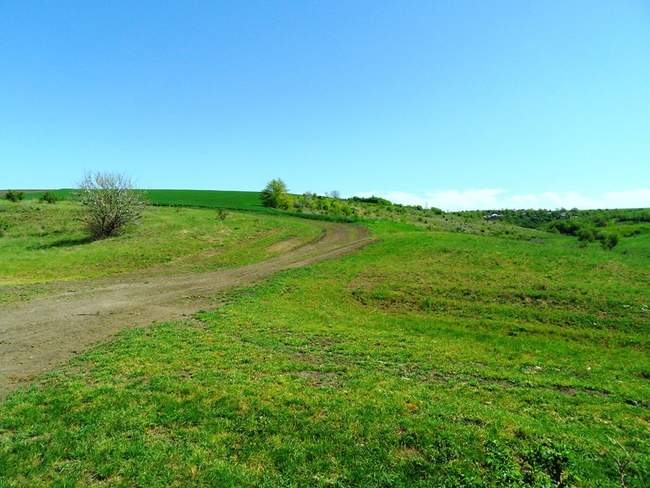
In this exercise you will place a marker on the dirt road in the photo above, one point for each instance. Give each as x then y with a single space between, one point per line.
37 335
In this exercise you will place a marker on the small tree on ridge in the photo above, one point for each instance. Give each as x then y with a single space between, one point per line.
275 194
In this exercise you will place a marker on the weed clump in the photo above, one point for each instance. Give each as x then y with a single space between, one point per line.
548 464
545 464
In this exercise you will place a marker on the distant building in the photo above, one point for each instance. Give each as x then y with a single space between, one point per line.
493 216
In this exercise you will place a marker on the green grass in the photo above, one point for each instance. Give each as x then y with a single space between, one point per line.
45 243
427 359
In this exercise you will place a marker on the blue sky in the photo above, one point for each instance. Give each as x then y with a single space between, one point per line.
447 103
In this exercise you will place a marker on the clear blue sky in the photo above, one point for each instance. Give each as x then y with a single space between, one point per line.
416 99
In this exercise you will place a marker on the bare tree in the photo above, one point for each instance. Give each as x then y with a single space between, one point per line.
111 203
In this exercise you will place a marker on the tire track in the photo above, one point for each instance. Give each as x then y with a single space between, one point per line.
37 335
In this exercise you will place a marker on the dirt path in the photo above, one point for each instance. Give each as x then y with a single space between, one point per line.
37 335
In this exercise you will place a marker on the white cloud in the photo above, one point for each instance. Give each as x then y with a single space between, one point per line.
496 198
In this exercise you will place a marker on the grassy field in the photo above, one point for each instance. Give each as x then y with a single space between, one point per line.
427 359
44 243
236 200
247 201
243 200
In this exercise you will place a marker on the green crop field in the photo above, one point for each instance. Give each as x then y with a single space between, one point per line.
242 200
475 357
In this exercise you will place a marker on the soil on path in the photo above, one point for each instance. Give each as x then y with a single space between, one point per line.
37 335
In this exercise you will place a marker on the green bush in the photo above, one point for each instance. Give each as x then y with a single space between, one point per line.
372 199
565 227
222 214
15 196
609 241
276 195
586 235
312 204
49 197
600 221
4 227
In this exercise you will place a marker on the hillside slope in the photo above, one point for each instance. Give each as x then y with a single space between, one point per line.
426 359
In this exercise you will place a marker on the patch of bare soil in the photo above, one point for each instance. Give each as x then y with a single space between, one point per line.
37 335
284 246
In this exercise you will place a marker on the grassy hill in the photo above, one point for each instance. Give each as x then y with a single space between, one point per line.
44 243
434 357
622 222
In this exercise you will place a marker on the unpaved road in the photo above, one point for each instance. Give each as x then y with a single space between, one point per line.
37 335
